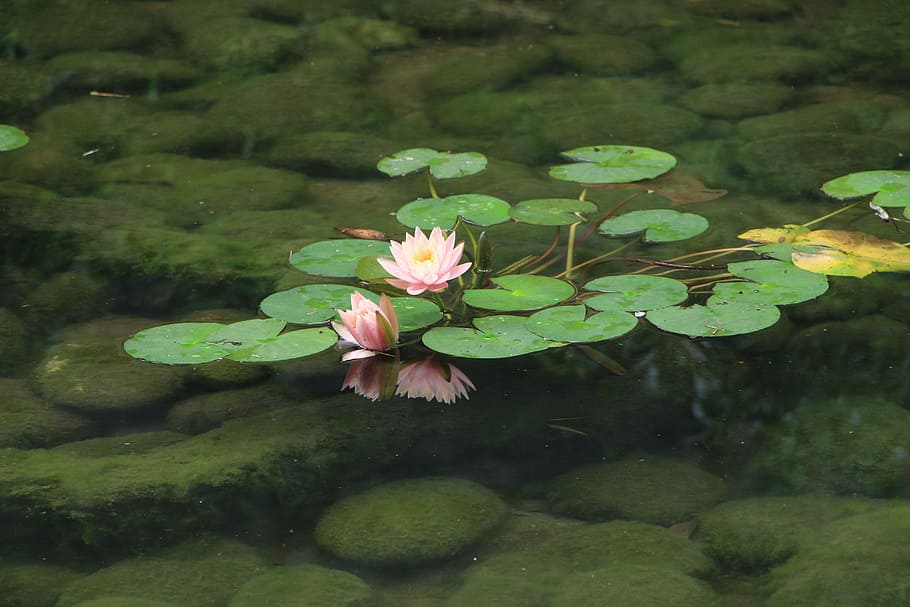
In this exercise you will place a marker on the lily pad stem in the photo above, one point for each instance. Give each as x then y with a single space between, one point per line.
831 214
433 191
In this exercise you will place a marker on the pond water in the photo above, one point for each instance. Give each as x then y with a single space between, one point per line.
179 151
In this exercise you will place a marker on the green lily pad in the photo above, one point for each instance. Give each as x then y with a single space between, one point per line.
11 138
568 324
369 270
520 292
782 251
716 319
551 211
442 165
494 337
427 213
293 344
415 313
659 225
635 292
613 164
245 335
337 258
773 282
181 343
891 188
310 304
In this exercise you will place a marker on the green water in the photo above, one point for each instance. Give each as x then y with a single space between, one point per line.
181 150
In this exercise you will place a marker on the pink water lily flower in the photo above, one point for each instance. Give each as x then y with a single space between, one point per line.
433 380
372 327
425 264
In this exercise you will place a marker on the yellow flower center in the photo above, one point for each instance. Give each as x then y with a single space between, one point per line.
424 255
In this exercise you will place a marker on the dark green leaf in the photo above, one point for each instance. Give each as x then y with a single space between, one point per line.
659 225
635 292
336 257
613 164
568 324
427 213
716 319
520 292
551 211
494 337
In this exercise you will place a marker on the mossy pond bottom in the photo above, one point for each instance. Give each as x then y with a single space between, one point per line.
180 150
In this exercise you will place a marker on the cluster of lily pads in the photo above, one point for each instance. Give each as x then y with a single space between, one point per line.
502 312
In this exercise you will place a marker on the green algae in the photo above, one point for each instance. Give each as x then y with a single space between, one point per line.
321 587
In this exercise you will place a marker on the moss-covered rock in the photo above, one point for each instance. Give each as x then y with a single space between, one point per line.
750 63
193 191
737 99
27 584
124 601
239 43
835 116
50 161
409 523
24 88
470 68
799 163
59 26
752 535
26 421
287 456
548 574
121 71
122 444
869 39
206 411
751 9
296 226
369 34
198 573
847 445
470 16
860 560
15 342
648 489
97 375
321 587
67 297
604 55
341 154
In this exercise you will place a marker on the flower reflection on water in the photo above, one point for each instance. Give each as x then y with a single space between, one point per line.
378 377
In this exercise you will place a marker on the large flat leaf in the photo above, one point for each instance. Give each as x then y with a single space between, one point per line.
552 211
613 164
771 282
570 324
11 138
520 292
337 258
716 319
310 304
427 213
635 292
500 336
181 343
892 188
658 225
290 345
442 165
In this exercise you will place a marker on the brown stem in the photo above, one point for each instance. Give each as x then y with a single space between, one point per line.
610 213
670 264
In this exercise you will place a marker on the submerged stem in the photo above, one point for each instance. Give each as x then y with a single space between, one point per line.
433 191
831 214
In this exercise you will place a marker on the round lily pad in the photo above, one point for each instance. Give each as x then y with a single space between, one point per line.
244 336
494 337
442 165
716 319
11 138
415 313
182 343
772 282
613 164
659 225
892 188
293 344
310 304
568 324
551 211
427 213
635 292
336 258
520 292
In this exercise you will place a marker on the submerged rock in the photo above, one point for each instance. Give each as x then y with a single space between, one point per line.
752 535
408 523
98 376
849 445
198 573
122 71
287 587
67 297
599 54
25 87
842 117
239 43
648 489
860 560
26 421
15 342
737 99
27 584
204 412
623 562
750 63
